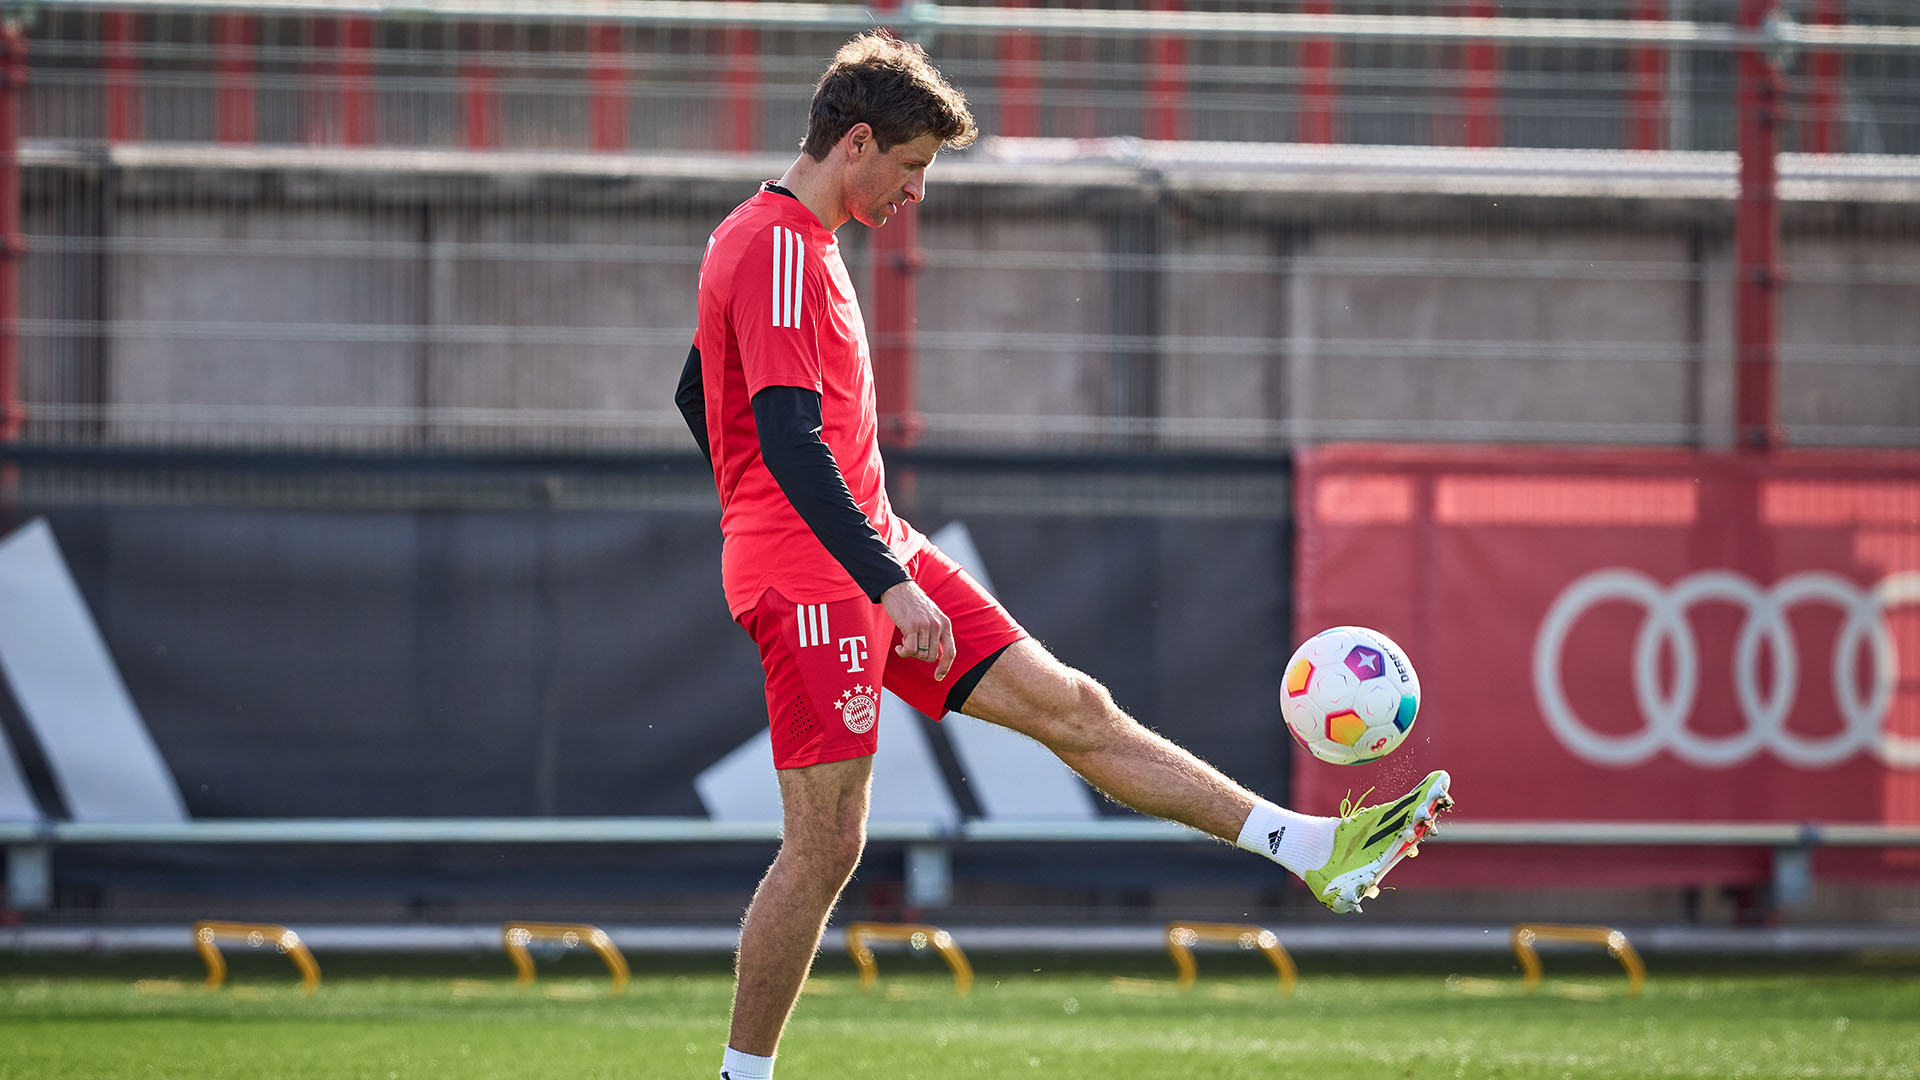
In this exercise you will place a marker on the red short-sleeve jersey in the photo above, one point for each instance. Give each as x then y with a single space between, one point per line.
777 309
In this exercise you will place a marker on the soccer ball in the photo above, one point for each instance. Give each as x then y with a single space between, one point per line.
1350 695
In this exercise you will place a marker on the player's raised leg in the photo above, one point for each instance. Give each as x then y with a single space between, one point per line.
825 811
1070 713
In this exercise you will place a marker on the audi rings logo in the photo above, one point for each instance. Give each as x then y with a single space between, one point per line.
1861 693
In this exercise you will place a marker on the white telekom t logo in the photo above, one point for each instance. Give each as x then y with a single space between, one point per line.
853 652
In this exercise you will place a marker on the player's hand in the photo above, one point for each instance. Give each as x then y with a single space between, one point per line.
925 631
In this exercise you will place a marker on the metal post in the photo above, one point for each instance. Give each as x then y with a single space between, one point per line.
29 877
1166 80
897 261
233 103
1792 877
743 87
608 111
1757 241
13 245
481 99
117 31
1019 81
1136 293
352 44
1482 96
1648 97
929 875
1317 90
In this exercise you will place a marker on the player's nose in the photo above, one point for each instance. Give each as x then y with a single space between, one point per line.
916 188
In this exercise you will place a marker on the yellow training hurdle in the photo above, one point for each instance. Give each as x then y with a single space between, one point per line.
208 932
1183 936
516 936
1526 934
915 936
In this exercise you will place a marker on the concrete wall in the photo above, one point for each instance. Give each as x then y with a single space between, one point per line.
228 327
357 309
1850 338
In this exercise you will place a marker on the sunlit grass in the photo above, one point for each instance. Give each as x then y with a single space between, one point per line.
1013 1025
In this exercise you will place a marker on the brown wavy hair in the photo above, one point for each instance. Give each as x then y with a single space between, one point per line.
891 86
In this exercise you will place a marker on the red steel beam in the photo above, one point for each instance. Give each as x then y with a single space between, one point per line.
1823 104
1318 92
479 94
897 262
1760 102
353 59
1166 80
742 73
1019 78
896 316
607 79
1480 101
1647 100
233 102
117 34
13 245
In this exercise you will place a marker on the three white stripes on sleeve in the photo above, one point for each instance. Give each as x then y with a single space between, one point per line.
813 624
789 264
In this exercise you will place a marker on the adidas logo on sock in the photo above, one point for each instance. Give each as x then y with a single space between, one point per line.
1273 839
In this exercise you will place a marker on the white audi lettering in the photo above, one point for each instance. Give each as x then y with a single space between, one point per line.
1665 710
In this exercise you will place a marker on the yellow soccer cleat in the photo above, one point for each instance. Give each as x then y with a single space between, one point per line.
1368 842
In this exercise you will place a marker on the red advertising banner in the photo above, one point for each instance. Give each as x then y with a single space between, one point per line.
1617 636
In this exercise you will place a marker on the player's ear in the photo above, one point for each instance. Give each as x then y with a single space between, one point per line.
858 139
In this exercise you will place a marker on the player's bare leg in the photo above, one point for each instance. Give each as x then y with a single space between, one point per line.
825 810
1071 714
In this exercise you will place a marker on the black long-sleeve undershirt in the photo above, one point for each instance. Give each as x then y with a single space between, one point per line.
691 397
788 420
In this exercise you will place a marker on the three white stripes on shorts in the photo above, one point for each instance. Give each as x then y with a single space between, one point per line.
789 264
813 624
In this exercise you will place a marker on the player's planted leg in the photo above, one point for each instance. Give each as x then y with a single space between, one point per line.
825 810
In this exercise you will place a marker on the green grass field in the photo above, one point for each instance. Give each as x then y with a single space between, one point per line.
1015 1024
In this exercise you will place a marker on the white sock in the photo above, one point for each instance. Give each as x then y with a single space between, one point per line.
738 1066
1295 841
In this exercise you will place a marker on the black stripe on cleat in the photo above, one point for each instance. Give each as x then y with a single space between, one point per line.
1403 803
1387 830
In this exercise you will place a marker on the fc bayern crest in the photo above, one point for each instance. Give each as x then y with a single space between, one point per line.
858 710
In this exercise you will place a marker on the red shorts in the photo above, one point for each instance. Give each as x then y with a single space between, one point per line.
825 673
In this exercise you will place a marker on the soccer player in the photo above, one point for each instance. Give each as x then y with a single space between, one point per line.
845 598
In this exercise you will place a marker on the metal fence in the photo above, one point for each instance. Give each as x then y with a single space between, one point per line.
250 227
287 76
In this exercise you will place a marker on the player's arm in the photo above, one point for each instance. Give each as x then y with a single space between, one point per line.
788 418
691 397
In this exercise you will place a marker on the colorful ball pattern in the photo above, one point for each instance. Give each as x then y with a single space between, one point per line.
1350 695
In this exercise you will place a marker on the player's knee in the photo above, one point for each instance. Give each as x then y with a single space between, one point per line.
830 854
847 850
1084 717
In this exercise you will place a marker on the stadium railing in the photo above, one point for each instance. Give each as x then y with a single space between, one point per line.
929 848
